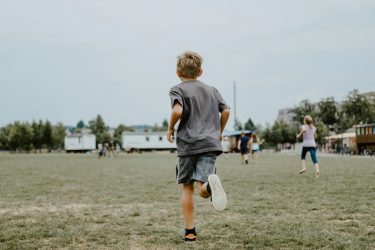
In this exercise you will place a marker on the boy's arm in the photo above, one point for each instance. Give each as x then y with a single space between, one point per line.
175 116
223 121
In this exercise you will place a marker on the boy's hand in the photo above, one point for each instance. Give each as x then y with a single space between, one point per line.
170 135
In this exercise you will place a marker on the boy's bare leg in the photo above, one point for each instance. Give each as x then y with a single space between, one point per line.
246 156
303 169
188 204
203 192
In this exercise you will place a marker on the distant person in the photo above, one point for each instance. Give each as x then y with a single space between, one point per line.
202 114
102 151
255 143
226 146
309 134
118 149
111 149
243 146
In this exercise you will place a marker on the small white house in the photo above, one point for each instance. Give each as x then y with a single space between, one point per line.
80 143
145 141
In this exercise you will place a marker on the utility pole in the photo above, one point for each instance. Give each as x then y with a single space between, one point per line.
234 105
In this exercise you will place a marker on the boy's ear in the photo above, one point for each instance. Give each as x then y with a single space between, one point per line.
179 73
200 72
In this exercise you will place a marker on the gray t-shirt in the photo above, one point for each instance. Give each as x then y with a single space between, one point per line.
199 128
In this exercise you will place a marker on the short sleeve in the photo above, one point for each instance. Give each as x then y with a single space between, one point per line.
175 95
221 102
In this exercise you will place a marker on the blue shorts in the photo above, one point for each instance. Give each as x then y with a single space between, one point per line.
312 151
195 167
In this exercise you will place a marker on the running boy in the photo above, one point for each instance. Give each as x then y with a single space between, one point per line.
202 114
309 134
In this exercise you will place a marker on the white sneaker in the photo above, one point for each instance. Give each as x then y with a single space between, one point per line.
219 198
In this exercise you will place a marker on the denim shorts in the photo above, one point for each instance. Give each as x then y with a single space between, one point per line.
312 151
195 167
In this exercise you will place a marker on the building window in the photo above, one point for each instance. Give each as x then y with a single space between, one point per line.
373 130
147 138
160 138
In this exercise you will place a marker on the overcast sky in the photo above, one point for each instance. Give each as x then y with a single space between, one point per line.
71 60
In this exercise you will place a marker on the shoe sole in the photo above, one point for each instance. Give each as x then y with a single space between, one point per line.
219 198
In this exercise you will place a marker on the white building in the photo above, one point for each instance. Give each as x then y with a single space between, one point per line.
80 143
146 141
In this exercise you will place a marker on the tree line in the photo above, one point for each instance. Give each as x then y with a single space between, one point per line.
25 136
328 114
38 135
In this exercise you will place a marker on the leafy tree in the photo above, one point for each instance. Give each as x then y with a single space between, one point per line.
20 136
344 122
99 129
328 113
119 130
164 124
267 135
249 125
322 132
372 111
37 135
47 136
58 135
4 136
107 137
357 108
304 108
280 132
80 124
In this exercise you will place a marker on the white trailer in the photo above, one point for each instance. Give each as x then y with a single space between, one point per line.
148 141
80 143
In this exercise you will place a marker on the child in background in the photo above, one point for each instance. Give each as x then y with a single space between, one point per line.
309 134
243 146
255 143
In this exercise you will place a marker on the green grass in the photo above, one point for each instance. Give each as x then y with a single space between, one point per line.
133 201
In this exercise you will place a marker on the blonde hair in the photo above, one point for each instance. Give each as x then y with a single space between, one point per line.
189 64
308 120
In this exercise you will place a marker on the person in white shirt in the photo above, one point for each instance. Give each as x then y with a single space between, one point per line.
309 134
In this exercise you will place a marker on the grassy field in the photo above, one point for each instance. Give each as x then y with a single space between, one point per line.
133 201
